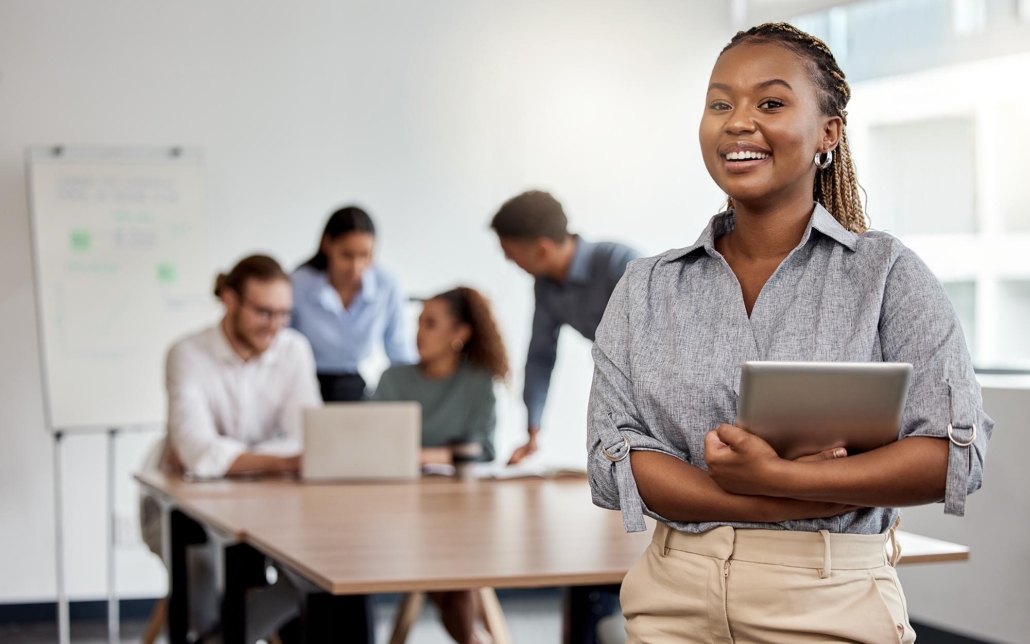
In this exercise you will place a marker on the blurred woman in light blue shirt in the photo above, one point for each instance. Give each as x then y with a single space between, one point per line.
344 304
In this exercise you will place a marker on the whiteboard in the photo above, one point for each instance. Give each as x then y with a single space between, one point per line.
121 270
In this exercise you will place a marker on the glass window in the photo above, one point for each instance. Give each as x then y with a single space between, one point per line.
1014 322
941 151
883 37
963 298
1013 169
969 16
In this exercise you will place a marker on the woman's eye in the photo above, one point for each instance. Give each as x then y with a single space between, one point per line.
718 105
770 104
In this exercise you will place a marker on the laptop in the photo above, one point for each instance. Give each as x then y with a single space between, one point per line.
803 408
364 441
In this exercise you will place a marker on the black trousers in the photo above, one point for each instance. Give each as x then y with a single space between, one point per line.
588 605
341 387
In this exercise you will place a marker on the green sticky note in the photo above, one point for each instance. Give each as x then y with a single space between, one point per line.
81 240
166 272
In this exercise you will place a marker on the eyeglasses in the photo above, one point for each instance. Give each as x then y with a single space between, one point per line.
269 315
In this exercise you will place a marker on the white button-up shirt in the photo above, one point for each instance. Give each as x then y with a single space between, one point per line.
220 406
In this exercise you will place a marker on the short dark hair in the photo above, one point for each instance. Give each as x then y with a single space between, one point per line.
346 220
530 216
256 267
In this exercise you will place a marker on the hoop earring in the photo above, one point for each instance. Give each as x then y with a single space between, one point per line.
825 164
457 345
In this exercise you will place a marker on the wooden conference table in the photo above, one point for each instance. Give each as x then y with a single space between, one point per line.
432 535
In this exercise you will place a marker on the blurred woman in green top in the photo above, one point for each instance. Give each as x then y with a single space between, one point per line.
461 354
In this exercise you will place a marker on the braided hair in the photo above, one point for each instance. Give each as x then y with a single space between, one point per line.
836 187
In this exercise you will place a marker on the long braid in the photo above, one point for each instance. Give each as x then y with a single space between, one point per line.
836 187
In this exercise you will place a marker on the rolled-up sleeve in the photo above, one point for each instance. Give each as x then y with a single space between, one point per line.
614 425
302 393
192 430
919 326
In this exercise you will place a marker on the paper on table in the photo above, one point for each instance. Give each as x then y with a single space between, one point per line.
438 469
500 471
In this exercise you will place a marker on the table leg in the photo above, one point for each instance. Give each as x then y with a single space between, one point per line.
184 532
584 607
336 618
244 569
408 612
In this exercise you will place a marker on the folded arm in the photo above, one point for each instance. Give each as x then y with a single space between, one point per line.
683 493
912 471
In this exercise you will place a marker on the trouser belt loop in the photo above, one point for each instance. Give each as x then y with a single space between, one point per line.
665 540
825 571
895 546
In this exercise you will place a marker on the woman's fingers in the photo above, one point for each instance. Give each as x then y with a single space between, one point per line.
825 455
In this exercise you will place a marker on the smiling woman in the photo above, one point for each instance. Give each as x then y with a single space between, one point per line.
751 547
836 186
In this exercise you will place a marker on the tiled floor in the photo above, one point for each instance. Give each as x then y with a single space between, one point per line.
532 619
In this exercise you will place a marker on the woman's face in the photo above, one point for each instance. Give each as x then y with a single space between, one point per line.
439 332
762 125
349 256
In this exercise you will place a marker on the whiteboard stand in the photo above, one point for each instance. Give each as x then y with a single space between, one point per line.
121 271
63 626
113 613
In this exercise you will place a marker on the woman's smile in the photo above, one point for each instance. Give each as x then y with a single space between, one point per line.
741 156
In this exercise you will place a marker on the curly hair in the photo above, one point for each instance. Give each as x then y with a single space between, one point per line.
836 187
485 347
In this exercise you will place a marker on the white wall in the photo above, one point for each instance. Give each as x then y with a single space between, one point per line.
431 114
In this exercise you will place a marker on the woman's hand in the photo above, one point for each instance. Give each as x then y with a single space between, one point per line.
743 463
739 461
825 455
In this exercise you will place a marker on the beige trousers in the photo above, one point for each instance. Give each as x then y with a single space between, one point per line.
733 586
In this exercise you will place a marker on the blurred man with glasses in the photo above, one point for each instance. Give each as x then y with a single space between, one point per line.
237 390
236 396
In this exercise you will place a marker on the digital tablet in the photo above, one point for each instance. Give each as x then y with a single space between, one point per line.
803 408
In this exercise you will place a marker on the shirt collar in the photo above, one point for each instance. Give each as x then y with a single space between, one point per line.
579 268
330 299
828 225
722 223
225 354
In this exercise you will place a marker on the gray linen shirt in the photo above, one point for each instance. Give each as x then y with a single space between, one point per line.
669 350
